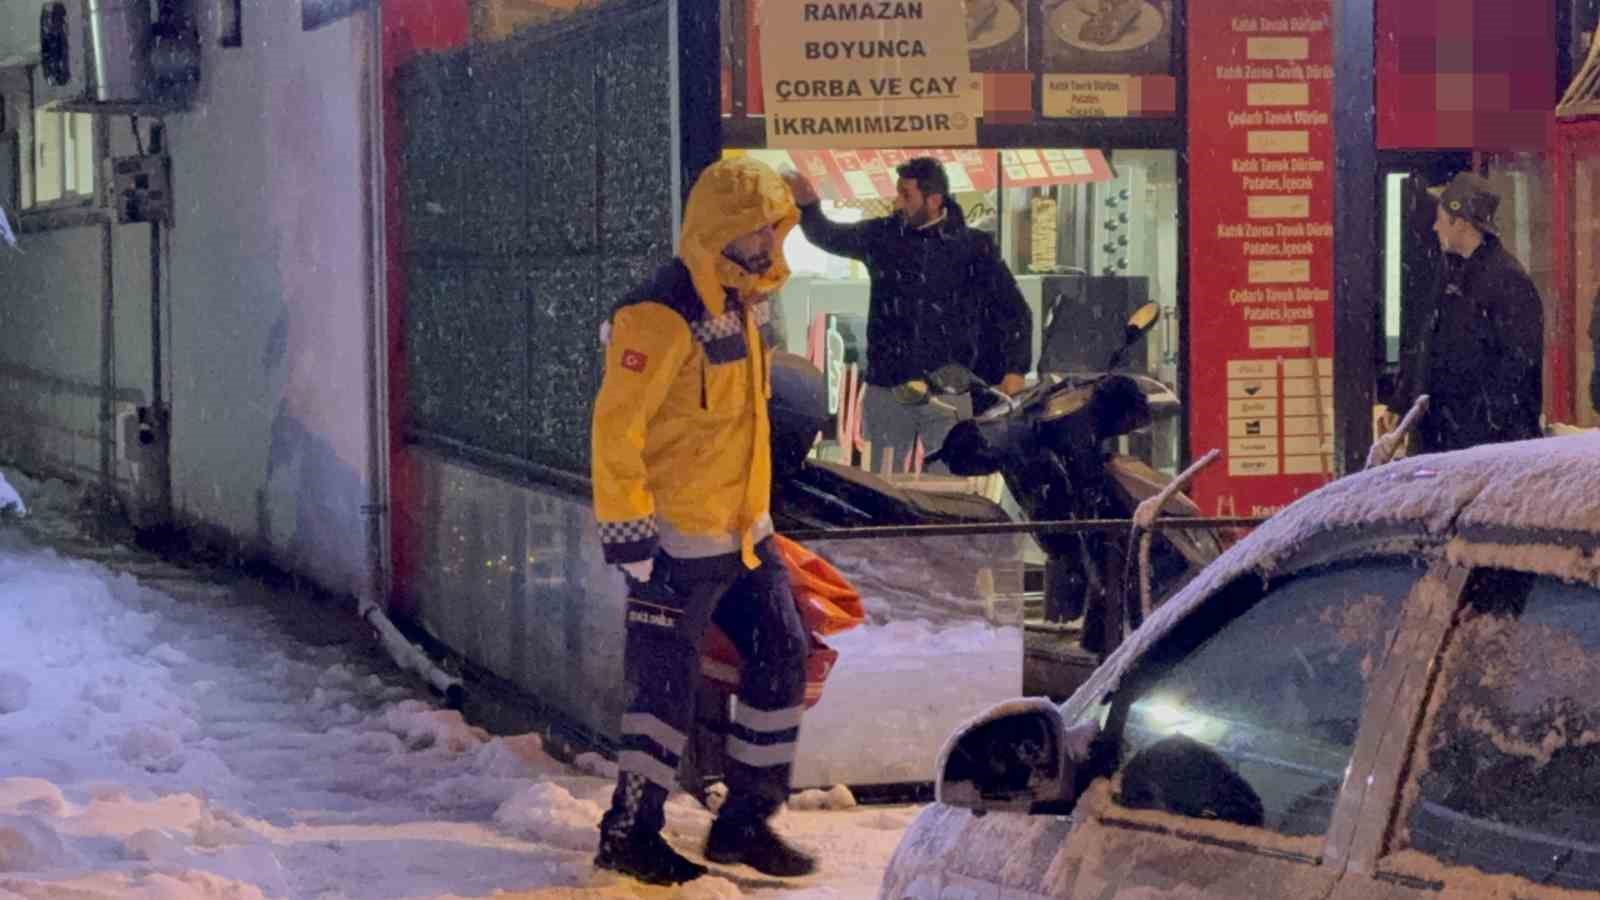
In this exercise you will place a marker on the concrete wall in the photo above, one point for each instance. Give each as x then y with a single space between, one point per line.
19 31
268 276
265 333
512 577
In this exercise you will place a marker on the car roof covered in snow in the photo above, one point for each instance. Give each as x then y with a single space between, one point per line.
1532 505
1548 486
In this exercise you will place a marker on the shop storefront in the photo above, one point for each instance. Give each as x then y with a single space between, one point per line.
1152 150
1077 177
1118 152
1107 183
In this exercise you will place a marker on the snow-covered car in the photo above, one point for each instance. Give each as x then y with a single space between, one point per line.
1389 690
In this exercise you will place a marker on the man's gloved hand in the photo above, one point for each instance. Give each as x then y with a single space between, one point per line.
639 571
801 187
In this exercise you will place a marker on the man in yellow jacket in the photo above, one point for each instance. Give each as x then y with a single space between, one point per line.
682 479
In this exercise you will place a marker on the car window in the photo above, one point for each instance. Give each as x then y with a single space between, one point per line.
1248 713
1508 768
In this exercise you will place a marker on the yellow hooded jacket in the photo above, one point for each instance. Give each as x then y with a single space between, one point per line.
681 448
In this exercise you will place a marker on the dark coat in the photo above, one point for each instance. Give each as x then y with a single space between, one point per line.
1481 356
940 295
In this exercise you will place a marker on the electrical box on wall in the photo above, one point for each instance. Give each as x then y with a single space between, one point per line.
138 189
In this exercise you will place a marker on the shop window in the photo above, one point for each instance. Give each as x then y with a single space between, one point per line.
1088 234
1507 779
62 165
1393 238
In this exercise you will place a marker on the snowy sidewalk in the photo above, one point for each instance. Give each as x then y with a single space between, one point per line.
181 738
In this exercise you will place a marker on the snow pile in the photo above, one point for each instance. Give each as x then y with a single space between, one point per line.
180 745
550 814
838 797
10 501
52 500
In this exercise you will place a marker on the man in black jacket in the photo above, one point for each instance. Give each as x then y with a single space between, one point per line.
1481 355
940 294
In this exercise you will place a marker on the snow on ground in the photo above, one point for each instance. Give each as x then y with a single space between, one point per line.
180 743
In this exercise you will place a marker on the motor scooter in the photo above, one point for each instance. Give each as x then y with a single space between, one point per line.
1049 443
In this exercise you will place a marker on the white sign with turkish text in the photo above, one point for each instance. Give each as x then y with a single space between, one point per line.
866 74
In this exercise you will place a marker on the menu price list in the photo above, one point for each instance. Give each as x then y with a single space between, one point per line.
1261 176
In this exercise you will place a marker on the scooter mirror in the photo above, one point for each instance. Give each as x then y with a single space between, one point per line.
1139 324
954 379
1143 319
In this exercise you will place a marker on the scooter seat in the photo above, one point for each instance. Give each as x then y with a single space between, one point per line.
887 503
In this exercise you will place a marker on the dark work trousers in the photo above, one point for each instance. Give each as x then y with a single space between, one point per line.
666 620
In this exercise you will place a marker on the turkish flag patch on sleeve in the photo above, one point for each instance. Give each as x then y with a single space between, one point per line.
634 361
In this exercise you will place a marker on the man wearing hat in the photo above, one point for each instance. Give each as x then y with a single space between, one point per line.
1481 352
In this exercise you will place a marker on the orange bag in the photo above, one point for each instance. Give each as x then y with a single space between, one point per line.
828 604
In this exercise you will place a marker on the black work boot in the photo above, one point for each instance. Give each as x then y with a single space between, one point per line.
646 856
754 843
630 836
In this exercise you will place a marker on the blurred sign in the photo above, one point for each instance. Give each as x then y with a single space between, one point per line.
1465 74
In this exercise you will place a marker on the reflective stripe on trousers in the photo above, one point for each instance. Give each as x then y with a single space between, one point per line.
666 620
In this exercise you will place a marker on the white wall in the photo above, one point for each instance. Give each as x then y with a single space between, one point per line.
19 31
265 332
268 333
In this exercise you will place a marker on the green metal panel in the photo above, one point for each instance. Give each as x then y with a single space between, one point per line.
538 192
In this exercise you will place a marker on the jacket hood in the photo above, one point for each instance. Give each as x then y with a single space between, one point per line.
734 197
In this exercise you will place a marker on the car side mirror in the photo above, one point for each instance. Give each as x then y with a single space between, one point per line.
954 379
1019 756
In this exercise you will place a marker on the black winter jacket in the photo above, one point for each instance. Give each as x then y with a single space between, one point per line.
940 295
1481 359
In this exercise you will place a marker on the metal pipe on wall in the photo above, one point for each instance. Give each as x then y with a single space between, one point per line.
156 507
373 607
376 510
108 342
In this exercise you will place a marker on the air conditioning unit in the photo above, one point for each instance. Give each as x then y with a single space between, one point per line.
111 56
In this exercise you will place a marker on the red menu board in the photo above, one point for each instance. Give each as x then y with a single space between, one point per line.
1261 250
